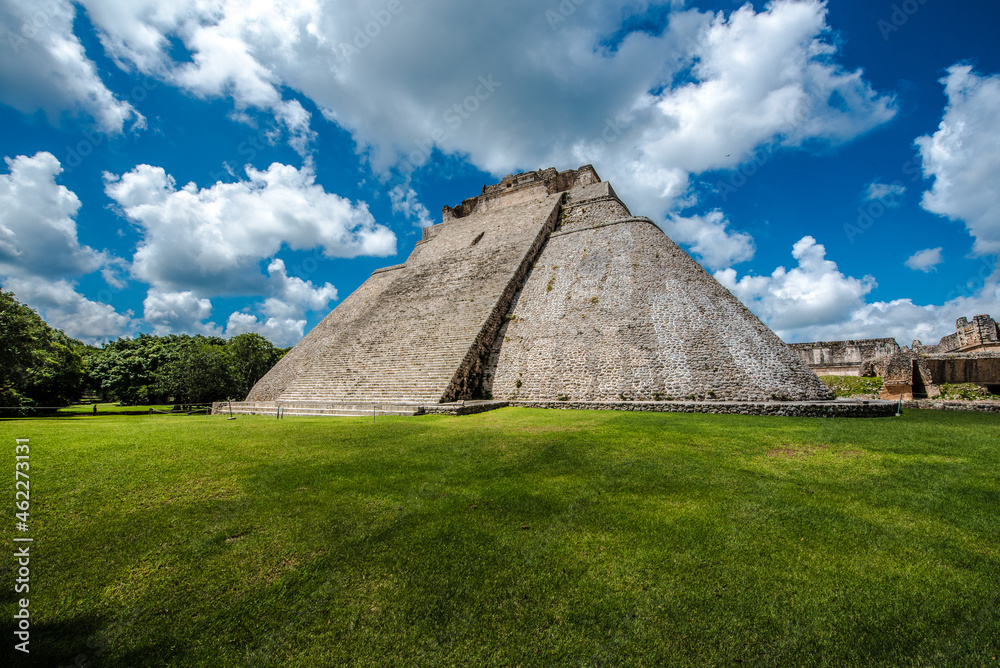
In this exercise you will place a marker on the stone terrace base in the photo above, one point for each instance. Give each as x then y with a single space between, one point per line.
932 404
850 408
870 408
314 408
357 409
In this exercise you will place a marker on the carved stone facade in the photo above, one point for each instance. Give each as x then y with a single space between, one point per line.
544 288
845 358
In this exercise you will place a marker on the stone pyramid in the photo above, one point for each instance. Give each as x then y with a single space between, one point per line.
543 288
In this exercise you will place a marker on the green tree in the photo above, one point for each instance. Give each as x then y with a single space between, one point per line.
252 356
200 372
38 364
59 378
131 370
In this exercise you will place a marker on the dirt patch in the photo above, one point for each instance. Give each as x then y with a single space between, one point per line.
785 453
788 451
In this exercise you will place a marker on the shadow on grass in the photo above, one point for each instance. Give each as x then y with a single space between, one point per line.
57 644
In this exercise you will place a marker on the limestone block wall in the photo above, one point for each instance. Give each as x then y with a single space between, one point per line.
614 310
907 374
981 369
516 188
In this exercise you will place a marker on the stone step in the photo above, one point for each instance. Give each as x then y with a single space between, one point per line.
318 408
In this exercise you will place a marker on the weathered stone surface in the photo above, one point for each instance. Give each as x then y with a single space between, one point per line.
970 355
839 408
544 288
861 409
976 406
917 375
982 334
417 331
845 358
614 310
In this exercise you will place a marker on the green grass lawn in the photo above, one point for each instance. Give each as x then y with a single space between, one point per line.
512 538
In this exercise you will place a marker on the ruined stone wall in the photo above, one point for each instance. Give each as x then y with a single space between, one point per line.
614 310
844 358
969 368
979 334
517 188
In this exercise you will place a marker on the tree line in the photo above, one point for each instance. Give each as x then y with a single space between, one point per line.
41 366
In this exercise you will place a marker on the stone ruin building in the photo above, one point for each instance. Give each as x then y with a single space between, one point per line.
971 354
845 358
546 291
980 335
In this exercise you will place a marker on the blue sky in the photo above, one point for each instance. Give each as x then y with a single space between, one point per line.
220 167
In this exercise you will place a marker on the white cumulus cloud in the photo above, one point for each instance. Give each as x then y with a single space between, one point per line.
44 67
38 234
890 194
805 298
708 238
282 332
963 157
40 250
283 318
926 260
815 301
649 111
652 111
172 312
291 296
404 200
212 240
